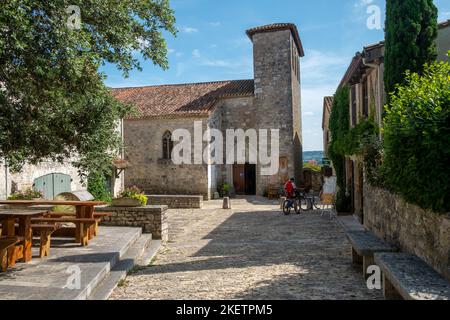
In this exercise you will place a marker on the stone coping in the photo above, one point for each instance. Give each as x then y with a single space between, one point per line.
366 243
412 277
150 208
175 196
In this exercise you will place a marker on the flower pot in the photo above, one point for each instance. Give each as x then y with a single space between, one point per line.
126 202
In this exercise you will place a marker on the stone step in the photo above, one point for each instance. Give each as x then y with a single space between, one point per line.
115 260
47 279
145 259
143 249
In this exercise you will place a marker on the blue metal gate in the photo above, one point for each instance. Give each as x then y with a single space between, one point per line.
53 184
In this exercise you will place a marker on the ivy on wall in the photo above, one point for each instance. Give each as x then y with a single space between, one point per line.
339 127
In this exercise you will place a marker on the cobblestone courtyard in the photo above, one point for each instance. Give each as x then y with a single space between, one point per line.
250 252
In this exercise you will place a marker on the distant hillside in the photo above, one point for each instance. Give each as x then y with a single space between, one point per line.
313 155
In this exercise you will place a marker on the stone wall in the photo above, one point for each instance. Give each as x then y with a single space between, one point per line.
177 201
443 43
414 230
152 219
148 171
25 178
277 97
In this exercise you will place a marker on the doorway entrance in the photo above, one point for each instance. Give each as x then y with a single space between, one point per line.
244 179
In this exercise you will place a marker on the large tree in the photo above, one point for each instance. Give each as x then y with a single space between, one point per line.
53 103
411 30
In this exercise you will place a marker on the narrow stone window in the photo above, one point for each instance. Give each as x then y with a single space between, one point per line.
167 145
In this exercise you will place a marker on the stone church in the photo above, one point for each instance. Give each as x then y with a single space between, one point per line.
271 100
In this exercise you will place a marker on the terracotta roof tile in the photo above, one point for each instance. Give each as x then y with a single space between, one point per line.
183 99
276 27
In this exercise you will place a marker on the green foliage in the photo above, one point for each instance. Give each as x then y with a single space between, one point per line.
417 138
339 127
372 152
224 189
28 194
313 166
411 30
135 193
53 103
97 187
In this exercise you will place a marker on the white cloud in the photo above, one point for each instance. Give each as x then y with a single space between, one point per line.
196 53
181 67
215 24
308 114
189 30
322 66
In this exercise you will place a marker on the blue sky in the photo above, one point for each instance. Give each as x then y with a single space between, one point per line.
211 45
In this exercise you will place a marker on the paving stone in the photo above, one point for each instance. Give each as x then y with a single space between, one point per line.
250 252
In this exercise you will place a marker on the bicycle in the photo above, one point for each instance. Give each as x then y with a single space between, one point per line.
295 203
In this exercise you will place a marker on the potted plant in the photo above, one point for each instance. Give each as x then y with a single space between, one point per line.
130 197
225 190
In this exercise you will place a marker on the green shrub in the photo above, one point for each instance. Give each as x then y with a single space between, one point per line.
417 139
225 189
28 194
98 188
134 193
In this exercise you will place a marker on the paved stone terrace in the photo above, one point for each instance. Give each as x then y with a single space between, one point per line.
250 252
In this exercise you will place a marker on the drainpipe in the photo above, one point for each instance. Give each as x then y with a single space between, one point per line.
6 179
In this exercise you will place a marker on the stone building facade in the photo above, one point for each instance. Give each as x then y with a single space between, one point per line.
271 100
365 78
327 106
47 171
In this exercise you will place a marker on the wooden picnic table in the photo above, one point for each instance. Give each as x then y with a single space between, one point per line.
8 218
83 209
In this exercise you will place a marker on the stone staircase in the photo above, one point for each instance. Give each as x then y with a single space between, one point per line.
139 254
101 265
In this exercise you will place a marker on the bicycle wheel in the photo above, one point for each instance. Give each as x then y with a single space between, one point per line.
303 204
297 207
287 207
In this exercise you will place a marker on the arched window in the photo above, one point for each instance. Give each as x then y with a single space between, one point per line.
167 145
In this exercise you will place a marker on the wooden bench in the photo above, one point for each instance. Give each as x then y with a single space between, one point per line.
45 233
84 225
406 276
5 244
364 245
98 216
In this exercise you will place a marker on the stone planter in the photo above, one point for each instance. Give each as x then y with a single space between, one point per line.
126 202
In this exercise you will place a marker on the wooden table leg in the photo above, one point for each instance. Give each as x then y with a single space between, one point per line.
89 213
27 234
9 229
78 230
